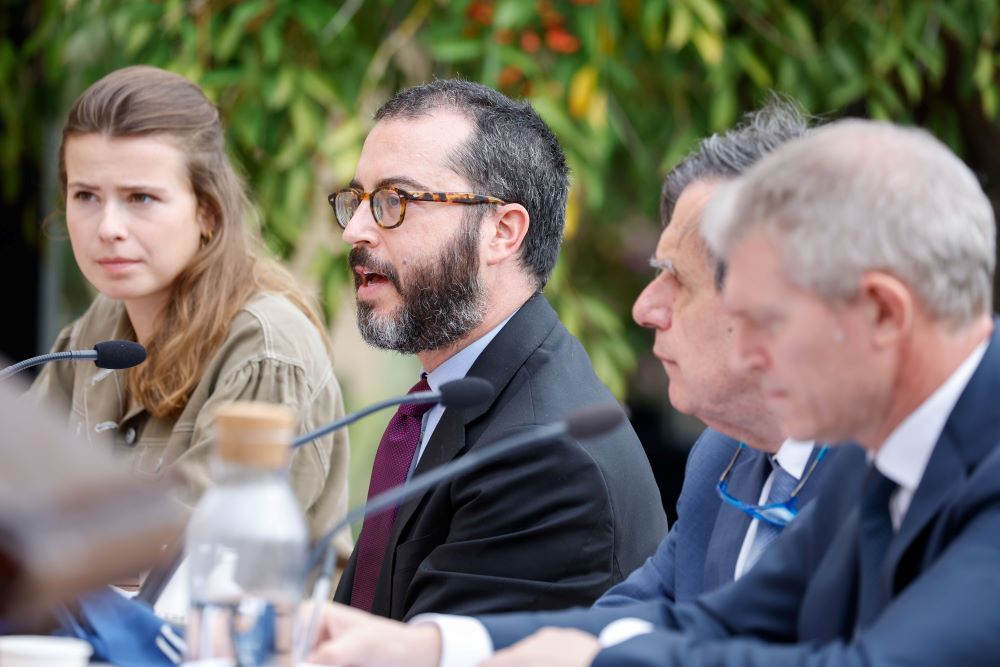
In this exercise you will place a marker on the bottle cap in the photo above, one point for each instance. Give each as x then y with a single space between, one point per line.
254 433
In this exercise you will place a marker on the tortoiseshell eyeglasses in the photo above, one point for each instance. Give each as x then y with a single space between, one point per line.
388 204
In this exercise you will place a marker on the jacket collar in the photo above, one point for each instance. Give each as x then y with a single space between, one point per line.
969 435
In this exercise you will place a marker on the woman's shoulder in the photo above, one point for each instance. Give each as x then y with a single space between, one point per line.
277 329
99 322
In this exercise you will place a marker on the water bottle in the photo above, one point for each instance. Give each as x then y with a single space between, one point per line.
246 544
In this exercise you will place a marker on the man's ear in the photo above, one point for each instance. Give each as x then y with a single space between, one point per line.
890 305
505 233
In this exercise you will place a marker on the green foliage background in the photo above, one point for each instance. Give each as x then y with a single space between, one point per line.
628 86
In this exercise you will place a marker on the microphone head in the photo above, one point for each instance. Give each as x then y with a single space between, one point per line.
466 392
118 354
593 421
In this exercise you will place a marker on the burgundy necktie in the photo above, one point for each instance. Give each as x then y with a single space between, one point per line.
392 465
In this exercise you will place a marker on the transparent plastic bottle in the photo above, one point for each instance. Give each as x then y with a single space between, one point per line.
246 544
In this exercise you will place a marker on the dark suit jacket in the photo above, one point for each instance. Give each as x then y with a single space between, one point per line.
553 526
700 552
940 579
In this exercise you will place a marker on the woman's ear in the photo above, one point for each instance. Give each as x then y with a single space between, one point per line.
207 223
505 233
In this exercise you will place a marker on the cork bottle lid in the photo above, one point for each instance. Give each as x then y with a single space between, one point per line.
254 433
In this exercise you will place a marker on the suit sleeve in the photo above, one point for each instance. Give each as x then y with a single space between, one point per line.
653 581
540 525
947 616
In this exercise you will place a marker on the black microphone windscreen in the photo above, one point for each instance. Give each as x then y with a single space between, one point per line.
118 354
593 421
466 392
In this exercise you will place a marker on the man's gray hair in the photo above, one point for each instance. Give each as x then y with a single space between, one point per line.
728 155
859 196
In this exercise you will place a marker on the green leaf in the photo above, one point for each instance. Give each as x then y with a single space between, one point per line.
710 46
910 79
889 98
278 88
653 17
513 14
681 25
842 62
723 109
991 103
320 88
271 40
455 50
985 70
799 28
138 37
888 54
753 66
954 23
709 14
307 122
932 57
314 15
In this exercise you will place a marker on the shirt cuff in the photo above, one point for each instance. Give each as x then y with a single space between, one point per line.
464 640
622 630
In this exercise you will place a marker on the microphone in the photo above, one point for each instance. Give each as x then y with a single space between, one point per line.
462 393
580 425
114 354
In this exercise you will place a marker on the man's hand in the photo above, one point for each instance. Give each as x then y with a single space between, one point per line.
352 638
550 647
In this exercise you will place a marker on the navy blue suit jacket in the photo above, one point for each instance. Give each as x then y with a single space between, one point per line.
940 580
699 553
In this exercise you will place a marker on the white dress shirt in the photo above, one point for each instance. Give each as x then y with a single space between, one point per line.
903 457
454 367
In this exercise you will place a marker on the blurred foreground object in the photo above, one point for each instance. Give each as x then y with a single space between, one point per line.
246 542
30 651
70 518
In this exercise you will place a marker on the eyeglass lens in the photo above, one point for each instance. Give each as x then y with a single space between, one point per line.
386 206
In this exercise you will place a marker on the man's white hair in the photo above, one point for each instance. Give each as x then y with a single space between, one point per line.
859 196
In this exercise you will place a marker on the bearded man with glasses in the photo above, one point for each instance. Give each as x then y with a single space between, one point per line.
455 218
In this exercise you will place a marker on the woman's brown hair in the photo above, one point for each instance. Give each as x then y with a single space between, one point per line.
227 270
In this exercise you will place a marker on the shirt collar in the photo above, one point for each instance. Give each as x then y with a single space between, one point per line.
457 366
904 455
794 455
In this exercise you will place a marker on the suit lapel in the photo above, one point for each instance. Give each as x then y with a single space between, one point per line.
498 363
945 474
745 482
969 435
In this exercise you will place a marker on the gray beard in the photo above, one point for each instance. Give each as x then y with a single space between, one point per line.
443 301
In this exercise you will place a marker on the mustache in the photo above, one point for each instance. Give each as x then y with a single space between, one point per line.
365 258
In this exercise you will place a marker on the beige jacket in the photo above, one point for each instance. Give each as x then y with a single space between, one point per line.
272 353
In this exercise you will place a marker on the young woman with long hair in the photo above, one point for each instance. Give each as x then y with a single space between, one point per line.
159 224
